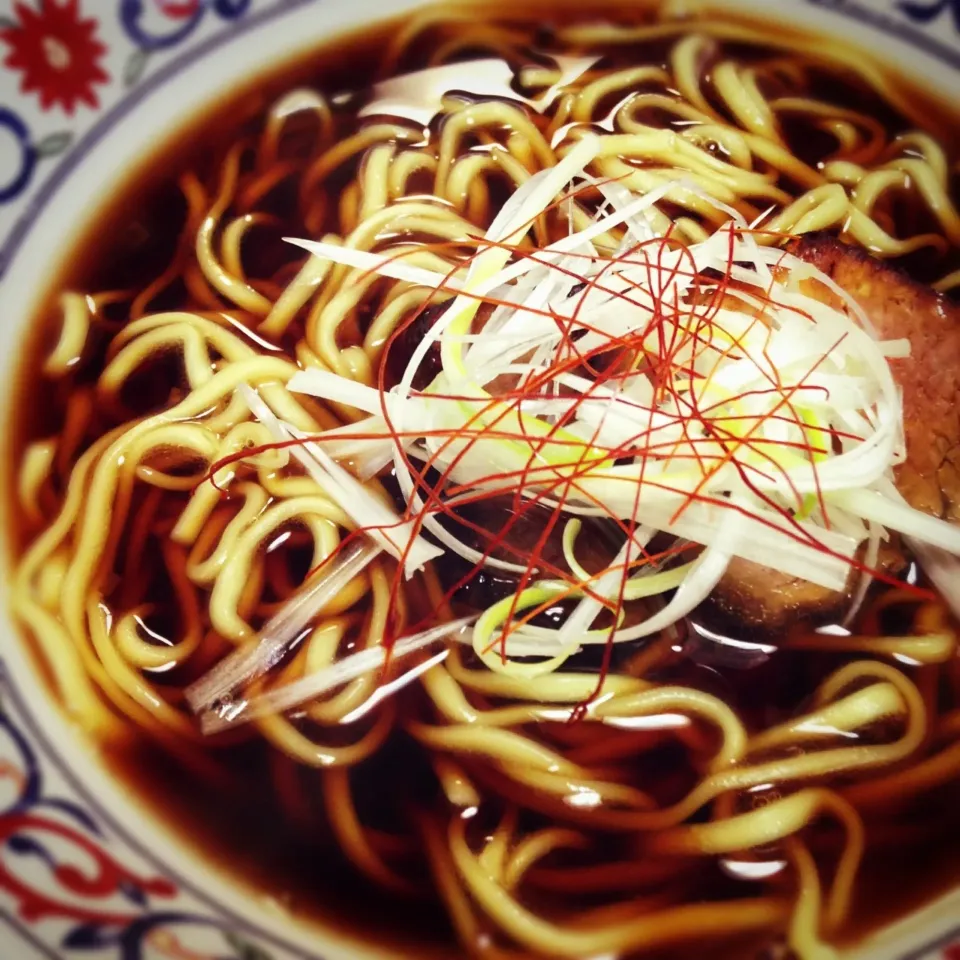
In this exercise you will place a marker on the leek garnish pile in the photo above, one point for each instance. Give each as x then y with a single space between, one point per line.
707 392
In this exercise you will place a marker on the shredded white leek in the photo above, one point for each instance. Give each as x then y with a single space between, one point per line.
252 660
315 684
755 419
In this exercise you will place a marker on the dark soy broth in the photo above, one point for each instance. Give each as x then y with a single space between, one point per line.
256 815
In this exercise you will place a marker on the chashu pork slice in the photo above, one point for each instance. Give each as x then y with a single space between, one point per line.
759 598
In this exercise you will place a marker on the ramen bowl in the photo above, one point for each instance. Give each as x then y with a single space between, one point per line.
106 853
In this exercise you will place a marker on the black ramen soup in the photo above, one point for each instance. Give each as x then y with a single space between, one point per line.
495 491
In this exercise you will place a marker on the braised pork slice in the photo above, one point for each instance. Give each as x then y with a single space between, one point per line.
760 598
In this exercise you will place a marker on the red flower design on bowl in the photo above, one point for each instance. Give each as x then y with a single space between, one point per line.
57 52
178 9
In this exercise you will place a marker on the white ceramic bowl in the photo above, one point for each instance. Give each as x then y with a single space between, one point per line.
88 88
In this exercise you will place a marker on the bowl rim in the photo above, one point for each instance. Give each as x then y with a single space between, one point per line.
283 31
